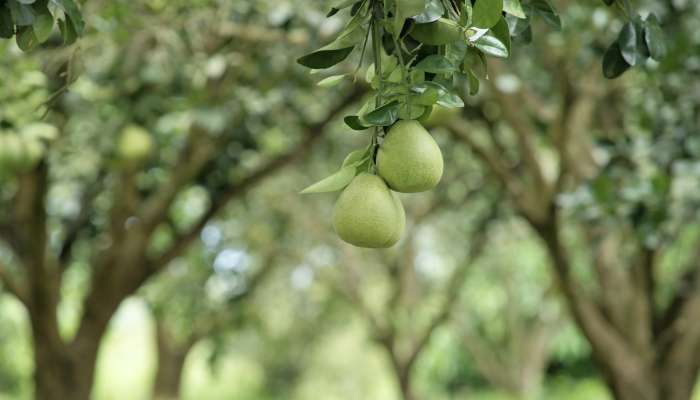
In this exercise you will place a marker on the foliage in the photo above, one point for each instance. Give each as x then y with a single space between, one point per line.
189 72
32 22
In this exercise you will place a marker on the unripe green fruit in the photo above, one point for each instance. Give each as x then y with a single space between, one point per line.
439 116
368 214
135 144
409 159
438 33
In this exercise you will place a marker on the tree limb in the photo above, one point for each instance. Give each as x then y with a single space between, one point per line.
12 286
456 280
82 220
606 341
220 319
312 133
525 133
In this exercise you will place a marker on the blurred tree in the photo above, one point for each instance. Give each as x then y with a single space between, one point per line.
195 303
107 212
201 296
599 172
508 318
417 297
606 175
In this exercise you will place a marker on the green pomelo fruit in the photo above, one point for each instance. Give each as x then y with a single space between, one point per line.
438 33
135 144
439 116
409 159
368 214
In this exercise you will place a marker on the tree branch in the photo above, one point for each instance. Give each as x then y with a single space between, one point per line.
312 133
525 133
382 332
221 319
83 219
459 130
195 154
455 282
12 286
606 341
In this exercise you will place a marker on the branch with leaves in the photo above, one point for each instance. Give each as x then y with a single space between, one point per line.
423 52
32 22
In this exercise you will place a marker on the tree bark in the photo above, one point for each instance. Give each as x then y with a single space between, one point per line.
403 377
632 370
63 371
171 362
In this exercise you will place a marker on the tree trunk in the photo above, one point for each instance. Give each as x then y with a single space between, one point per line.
404 379
171 361
63 371
649 371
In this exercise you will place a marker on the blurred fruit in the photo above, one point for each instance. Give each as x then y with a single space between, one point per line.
368 214
409 159
135 144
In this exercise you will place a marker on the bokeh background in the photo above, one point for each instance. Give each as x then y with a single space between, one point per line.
263 301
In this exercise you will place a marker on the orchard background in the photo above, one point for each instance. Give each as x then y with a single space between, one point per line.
154 243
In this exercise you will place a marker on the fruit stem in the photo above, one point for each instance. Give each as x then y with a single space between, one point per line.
377 16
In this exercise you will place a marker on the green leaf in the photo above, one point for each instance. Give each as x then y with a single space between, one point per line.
7 26
655 38
71 10
333 183
487 13
444 96
67 32
385 115
339 5
544 9
355 123
631 42
22 14
26 40
514 8
502 33
450 100
476 62
321 59
517 26
356 157
339 49
436 64
331 81
614 64
406 9
427 93
433 11
426 87
427 98
43 25
490 45
466 14
474 83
